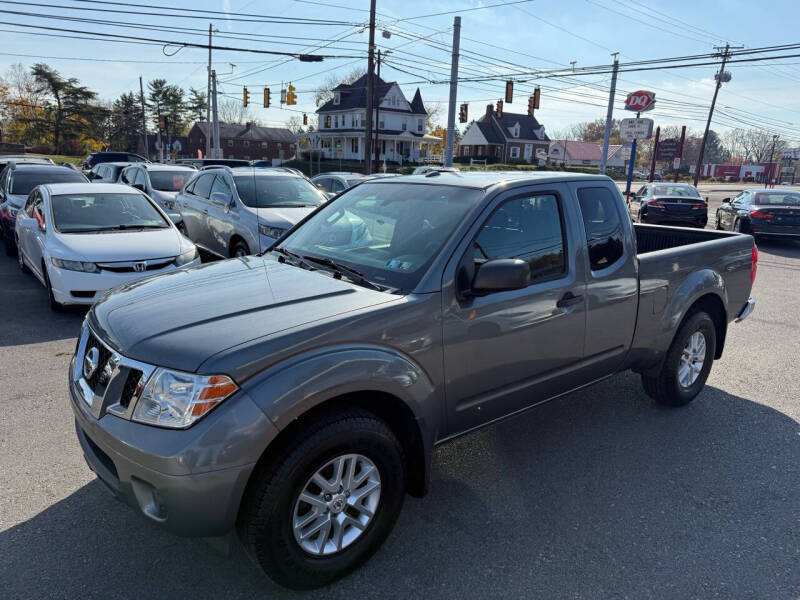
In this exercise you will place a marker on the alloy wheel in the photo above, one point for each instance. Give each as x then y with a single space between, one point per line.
692 359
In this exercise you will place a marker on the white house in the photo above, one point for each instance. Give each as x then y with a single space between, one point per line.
340 131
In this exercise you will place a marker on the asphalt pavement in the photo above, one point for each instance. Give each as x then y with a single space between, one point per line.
600 494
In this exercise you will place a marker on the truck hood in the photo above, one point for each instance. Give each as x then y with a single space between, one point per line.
180 319
283 217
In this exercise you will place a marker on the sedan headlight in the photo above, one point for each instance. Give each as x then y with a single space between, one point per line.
177 400
186 257
273 232
12 212
75 265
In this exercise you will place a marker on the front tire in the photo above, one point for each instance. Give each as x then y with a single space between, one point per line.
240 250
20 261
326 502
55 305
687 363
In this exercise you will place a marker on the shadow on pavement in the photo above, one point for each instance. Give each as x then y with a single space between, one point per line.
601 494
786 248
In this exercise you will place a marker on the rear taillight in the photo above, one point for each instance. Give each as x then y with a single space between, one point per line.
753 265
657 203
757 214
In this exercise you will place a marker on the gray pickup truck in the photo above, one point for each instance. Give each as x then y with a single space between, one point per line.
296 396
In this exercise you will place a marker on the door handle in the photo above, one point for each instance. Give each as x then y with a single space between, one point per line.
569 299
205 210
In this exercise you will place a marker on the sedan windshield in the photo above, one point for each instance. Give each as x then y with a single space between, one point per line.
169 181
777 199
24 180
390 232
275 192
86 213
685 191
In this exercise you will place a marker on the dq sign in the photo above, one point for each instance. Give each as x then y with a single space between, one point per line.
640 101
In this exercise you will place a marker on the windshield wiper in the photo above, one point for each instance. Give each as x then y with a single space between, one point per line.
296 258
129 227
342 270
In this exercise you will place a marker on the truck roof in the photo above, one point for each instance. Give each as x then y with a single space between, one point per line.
487 179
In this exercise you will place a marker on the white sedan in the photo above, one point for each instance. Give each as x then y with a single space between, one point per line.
82 239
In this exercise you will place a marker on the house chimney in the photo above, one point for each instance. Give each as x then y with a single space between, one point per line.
489 110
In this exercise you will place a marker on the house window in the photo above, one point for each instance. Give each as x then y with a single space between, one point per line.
514 152
354 145
515 130
230 143
420 125
246 143
337 98
327 121
263 144
382 124
336 121
405 124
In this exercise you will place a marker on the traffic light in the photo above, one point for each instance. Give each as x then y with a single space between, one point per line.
162 122
462 113
531 105
305 119
266 97
499 109
291 97
245 96
509 91
536 94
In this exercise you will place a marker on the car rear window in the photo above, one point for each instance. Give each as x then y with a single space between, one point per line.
23 181
686 191
169 181
275 192
777 199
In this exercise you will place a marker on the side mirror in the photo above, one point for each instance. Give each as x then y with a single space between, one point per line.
220 198
319 186
501 274
726 200
138 186
175 217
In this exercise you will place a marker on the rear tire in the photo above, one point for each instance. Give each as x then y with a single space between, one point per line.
717 223
270 522
21 262
737 226
670 387
240 250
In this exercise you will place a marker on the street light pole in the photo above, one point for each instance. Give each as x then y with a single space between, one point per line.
609 115
370 90
771 154
451 107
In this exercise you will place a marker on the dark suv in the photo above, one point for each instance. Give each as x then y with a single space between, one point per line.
95 158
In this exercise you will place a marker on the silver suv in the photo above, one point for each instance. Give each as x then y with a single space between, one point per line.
239 211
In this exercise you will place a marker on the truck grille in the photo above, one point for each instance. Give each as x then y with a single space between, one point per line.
130 389
99 378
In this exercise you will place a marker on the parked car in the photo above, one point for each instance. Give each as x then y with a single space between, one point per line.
235 212
669 204
431 168
28 159
336 182
762 213
161 182
200 163
96 158
107 172
16 182
298 394
82 239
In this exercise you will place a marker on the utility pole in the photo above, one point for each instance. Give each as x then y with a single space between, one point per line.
451 108
771 154
146 151
377 118
725 56
370 90
215 114
208 97
609 113
655 153
680 153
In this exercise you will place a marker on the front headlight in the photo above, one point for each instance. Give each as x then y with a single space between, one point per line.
12 212
75 265
273 232
186 257
177 400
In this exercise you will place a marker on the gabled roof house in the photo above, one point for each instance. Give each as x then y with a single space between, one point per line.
505 137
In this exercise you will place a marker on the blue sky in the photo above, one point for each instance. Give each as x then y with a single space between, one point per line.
541 34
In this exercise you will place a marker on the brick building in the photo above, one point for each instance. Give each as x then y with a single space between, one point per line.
248 141
507 138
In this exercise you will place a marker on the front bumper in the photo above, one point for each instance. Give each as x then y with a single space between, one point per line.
77 287
189 482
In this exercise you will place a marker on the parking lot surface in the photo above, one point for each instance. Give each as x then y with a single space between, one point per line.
599 494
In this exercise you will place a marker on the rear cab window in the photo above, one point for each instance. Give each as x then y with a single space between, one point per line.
603 226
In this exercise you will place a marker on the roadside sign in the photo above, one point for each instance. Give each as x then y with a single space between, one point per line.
625 153
640 101
668 149
676 163
635 129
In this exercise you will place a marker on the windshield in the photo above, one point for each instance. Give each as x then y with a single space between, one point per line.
23 181
777 199
352 182
82 213
685 191
391 232
274 192
169 181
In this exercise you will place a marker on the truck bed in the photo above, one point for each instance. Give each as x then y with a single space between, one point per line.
676 266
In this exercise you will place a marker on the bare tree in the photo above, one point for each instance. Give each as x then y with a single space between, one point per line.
325 91
295 124
232 111
434 110
753 145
